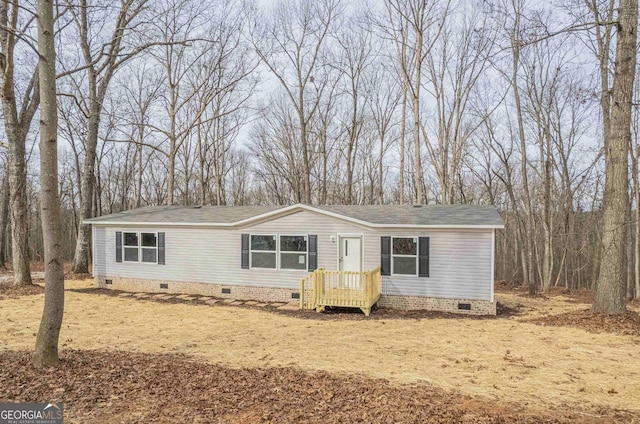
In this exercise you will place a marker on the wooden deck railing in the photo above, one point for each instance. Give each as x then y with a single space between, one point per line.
349 289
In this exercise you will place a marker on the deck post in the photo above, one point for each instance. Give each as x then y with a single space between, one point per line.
365 292
302 293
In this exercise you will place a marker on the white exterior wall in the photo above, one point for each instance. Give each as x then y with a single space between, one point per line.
460 260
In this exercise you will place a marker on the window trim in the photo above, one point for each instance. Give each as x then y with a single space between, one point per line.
277 252
306 253
416 256
139 247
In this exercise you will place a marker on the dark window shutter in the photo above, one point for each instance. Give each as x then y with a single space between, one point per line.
160 248
423 257
118 246
313 253
245 251
385 257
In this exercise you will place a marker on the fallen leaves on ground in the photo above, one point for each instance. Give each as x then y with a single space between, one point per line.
627 323
74 276
8 291
117 386
515 287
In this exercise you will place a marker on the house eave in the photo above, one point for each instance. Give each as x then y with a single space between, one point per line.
234 225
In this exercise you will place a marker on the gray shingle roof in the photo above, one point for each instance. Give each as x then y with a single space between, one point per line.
187 214
377 215
423 215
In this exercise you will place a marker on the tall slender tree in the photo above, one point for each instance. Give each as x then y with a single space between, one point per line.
46 349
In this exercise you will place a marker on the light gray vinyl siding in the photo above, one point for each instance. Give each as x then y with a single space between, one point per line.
459 267
460 260
100 254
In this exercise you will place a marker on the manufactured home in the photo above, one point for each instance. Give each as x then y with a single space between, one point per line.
433 257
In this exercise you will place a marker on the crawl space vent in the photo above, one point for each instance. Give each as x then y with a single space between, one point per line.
295 295
464 306
108 282
226 291
164 285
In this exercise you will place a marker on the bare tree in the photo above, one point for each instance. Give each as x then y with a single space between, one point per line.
141 87
457 59
416 26
207 82
279 160
102 55
610 288
184 79
353 62
18 114
385 97
46 349
290 44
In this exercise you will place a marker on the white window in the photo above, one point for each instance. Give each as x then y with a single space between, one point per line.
293 252
149 248
263 251
140 247
279 252
130 247
404 255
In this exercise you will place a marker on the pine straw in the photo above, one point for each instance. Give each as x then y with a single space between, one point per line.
500 359
116 386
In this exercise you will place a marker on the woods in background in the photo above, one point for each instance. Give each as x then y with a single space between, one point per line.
515 103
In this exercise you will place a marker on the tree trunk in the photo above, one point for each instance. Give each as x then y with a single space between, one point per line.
547 266
306 178
527 243
417 176
18 210
4 220
46 349
171 175
403 131
81 257
636 191
138 201
610 288
380 173
629 256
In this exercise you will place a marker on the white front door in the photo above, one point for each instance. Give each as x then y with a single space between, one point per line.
350 254
350 260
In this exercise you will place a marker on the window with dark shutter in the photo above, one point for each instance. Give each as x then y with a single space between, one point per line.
118 246
423 257
385 256
313 252
244 255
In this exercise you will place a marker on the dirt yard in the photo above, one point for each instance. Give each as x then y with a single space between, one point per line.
524 363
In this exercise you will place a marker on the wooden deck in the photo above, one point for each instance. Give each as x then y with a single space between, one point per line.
347 289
